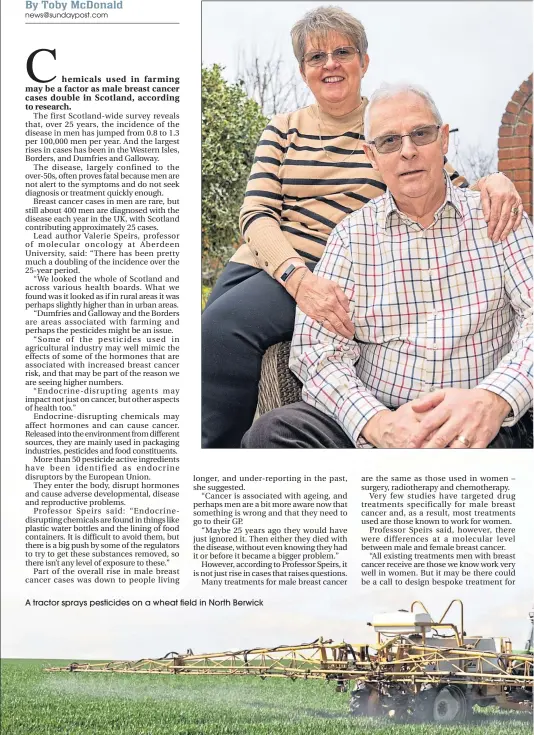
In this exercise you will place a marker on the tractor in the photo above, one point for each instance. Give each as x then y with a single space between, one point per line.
419 669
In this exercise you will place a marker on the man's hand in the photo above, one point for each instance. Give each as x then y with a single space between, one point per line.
498 197
474 414
396 429
324 301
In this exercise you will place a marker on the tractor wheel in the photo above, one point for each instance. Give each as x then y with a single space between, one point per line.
423 706
365 703
450 705
359 702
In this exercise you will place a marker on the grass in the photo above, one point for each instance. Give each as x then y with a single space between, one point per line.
37 703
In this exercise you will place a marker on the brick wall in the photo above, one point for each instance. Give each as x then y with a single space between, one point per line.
515 142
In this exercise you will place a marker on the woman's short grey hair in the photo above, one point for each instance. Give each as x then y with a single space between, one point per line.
318 23
387 91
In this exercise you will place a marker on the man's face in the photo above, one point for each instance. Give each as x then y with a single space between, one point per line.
412 171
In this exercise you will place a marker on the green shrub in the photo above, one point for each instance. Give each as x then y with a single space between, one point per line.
206 290
231 126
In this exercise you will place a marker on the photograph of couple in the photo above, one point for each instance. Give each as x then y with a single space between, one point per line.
377 297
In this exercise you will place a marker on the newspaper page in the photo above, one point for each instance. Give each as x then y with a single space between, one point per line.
171 175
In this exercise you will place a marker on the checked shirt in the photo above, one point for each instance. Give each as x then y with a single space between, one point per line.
435 307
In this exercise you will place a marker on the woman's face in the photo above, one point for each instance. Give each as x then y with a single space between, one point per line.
335 85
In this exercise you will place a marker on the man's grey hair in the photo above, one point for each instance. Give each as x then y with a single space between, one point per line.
388 91
318 23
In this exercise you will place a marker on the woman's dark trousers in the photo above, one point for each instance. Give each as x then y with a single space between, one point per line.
247 312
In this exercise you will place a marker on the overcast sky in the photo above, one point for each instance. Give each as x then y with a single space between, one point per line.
471 56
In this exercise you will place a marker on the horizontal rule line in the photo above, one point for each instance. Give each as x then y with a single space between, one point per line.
111 23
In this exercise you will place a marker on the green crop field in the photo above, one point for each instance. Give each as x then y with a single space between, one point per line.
39 703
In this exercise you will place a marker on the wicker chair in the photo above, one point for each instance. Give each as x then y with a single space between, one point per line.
278 386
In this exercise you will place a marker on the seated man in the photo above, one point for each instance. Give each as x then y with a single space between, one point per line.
441 355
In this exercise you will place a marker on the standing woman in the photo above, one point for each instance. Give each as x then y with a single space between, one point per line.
309 172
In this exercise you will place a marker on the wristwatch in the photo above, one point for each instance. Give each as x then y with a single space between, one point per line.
289 271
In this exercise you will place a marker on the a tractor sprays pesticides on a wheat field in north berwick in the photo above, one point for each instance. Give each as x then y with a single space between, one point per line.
419 669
